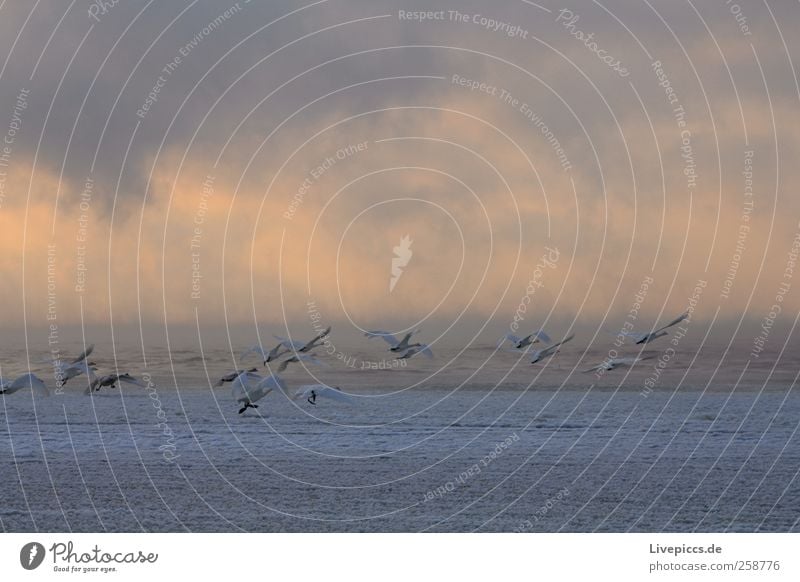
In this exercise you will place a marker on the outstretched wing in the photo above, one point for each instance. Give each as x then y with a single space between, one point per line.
637 337
323 334
250 386
131 380
541 336
675 321
569 338
632 334
91 379
256 349
273 382
91 385
32 381
84 354
239 389
291 344
633 360
276 352
510 337
423 348
384 335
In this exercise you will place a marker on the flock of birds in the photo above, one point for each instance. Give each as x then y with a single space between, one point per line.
64 371
248 386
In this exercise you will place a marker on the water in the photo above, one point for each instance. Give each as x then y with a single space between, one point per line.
476 444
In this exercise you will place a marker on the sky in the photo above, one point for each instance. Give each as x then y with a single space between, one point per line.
204 165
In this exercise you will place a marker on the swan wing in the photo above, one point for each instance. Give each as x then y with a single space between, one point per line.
131 380
85 354
320 336
384 335
541 336
256 349
272 382
290 344
675 321
29 380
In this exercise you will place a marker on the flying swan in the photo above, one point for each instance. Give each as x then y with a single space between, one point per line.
646 338
31 381
521 343
540 355
248 388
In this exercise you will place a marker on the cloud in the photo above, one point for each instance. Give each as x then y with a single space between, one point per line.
440 162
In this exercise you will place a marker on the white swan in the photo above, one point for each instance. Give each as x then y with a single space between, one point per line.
395 345
540 355
646 338
29 380
303 347
82 356
520 343
613 363
248 388
313 391
67 369
64 372
110 381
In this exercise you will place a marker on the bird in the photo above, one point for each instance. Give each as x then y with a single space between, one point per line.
82 356
267 356
110 381
232 376
300 358
29 380
313 391
521 343
249 387
646 338
612 363
540 355
421 348
66 371
302 347
395 345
